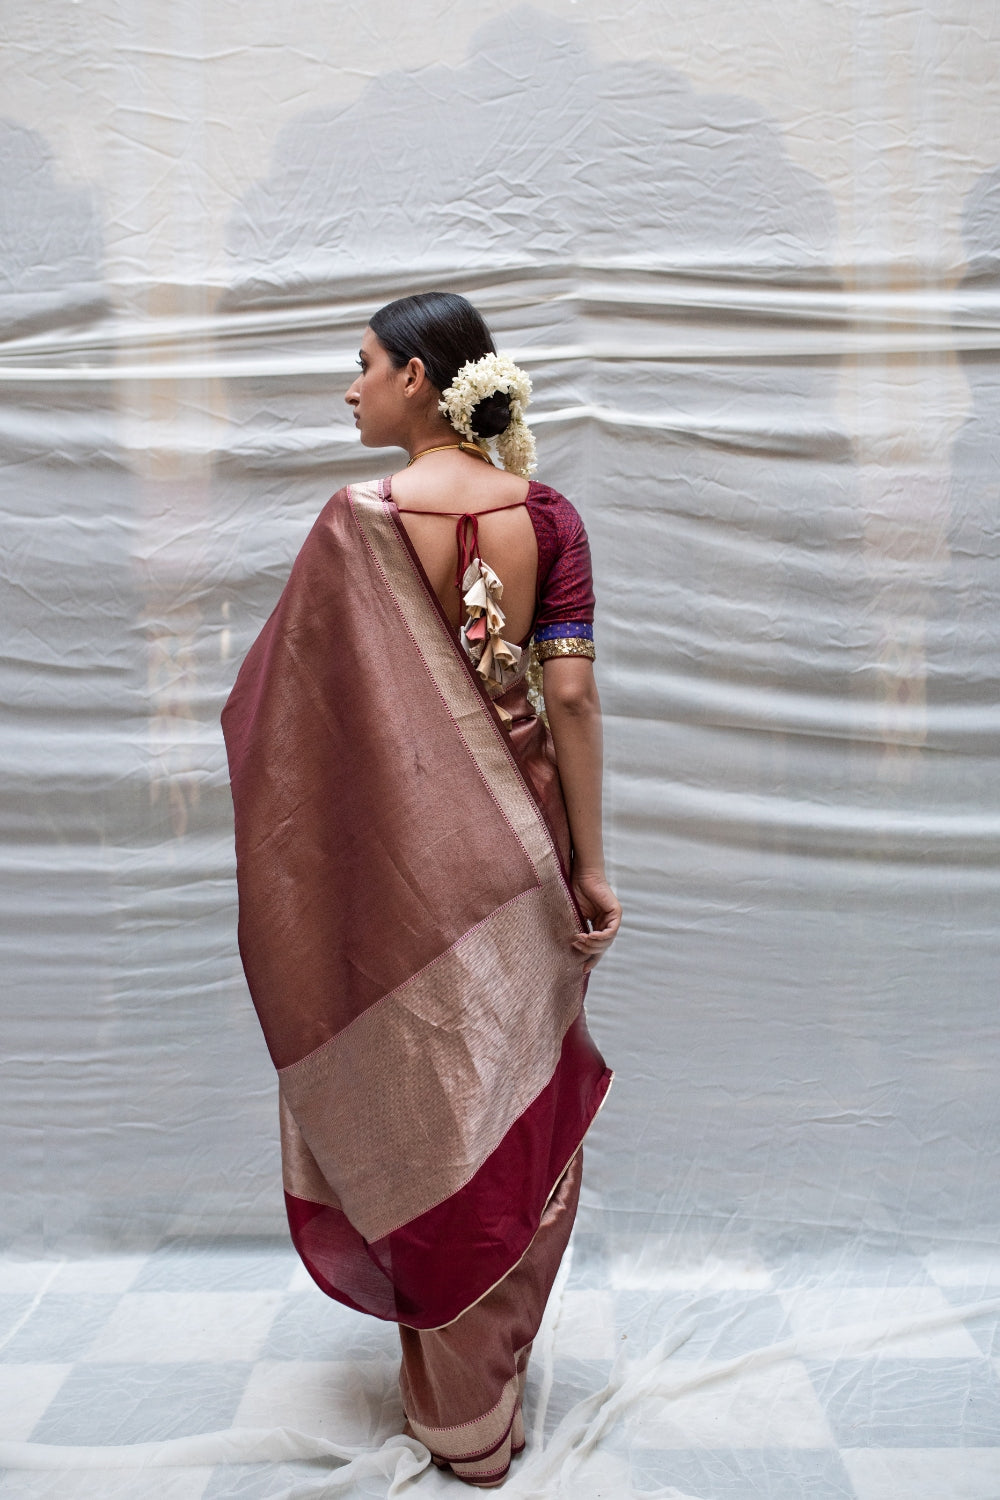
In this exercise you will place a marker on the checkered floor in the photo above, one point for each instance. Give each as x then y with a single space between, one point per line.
692 1364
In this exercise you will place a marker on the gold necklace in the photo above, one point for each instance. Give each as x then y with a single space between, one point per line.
465 447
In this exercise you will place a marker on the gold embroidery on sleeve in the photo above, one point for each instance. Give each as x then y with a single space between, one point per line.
573 645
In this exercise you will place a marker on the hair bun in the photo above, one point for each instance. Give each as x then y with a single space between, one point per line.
486 399
491 415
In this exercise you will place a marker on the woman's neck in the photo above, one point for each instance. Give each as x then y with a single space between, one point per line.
437 434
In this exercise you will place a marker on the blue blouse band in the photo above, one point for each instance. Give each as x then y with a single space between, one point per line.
566 630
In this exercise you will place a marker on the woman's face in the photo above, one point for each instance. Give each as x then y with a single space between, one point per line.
381 409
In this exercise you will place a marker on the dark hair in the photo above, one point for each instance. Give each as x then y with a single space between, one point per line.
445 332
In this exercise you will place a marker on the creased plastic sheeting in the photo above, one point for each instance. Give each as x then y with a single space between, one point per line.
797 639
783 429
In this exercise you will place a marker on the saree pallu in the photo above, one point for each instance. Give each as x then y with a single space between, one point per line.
405 926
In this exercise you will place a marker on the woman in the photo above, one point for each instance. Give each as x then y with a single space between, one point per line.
422 891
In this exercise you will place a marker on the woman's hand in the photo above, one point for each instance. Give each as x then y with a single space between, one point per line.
602 909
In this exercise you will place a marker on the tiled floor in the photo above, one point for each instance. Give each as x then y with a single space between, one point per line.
692 1365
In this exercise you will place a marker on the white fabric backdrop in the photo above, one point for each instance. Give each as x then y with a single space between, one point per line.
751 259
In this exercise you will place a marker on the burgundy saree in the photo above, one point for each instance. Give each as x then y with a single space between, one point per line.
405 927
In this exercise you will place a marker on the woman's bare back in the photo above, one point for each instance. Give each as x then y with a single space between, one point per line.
430 503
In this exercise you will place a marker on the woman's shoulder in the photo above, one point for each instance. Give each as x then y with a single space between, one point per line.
542 500
547 505
547 498
467 485
544 494
355 490
551 509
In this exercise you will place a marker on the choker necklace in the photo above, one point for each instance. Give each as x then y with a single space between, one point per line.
465 448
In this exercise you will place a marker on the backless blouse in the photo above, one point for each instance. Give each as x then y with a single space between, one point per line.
564 594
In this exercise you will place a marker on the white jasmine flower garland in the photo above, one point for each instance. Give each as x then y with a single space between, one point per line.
484 377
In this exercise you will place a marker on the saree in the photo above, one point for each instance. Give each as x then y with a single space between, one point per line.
405 925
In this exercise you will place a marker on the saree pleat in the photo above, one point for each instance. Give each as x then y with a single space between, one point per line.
406 928
462 1386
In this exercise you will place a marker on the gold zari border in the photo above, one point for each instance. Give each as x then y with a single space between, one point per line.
565 645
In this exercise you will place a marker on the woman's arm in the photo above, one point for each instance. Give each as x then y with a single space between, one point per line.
574 713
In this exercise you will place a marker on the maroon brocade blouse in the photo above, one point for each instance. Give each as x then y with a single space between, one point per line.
564 621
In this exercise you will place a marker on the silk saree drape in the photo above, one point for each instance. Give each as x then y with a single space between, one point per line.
405 927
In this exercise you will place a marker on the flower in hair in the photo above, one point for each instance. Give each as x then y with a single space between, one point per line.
484 377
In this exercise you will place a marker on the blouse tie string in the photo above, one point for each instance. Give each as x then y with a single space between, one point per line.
467 533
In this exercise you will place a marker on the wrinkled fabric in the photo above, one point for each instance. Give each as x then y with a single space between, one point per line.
406 930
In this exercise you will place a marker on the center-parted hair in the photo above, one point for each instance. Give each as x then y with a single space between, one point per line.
444 331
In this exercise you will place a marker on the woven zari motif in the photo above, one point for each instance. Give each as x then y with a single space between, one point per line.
571 645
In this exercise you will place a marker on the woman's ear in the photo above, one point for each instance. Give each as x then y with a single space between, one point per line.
414 377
